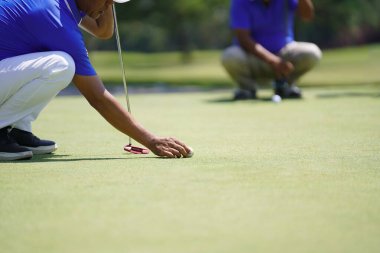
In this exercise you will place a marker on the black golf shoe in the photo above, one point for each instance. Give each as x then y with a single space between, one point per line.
286 91
32 142
241 94
10 150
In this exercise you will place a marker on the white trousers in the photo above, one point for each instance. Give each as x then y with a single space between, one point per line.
249 71
28 83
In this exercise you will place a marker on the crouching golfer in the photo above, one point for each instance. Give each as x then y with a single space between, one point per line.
264 48
41 52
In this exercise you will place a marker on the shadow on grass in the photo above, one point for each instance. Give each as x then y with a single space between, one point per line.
326 95
257 100
348 95
66 158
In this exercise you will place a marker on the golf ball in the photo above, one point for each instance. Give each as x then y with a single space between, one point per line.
276 99
190 154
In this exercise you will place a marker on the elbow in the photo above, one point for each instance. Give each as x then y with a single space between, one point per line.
105 35
101 101
95 103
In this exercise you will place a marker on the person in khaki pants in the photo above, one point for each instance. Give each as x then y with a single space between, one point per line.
264 49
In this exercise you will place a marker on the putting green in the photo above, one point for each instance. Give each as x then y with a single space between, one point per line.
299 176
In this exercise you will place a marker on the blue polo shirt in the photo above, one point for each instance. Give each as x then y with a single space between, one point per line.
271 25
29 26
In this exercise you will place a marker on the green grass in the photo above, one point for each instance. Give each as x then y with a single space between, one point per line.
348 66
162 68
300 176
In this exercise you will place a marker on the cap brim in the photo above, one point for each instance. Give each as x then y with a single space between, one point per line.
120 1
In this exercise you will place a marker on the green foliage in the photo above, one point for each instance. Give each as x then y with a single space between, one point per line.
342 23
186 25
179 25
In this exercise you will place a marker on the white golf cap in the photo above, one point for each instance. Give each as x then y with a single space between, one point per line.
120 1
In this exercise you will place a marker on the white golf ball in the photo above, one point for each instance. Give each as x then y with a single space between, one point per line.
276 99
190 154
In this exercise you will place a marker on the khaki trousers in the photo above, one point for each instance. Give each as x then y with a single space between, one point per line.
249 72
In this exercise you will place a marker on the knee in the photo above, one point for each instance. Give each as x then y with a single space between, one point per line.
65 66
313 55
60 68
233 58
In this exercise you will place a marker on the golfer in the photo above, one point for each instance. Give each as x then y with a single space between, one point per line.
264 50
41 52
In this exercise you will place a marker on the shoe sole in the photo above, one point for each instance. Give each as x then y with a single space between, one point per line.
16 156
42 150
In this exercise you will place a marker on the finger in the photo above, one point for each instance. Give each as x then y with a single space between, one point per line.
290 66
175 152
165 153
169 151
181 147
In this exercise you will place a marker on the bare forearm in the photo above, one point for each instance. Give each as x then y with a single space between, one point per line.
262 53
281 68
251 47
94 91
118 117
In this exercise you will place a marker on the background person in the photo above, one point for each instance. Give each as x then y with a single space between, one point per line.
41 52
264 48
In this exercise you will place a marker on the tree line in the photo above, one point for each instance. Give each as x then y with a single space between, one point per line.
186 25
